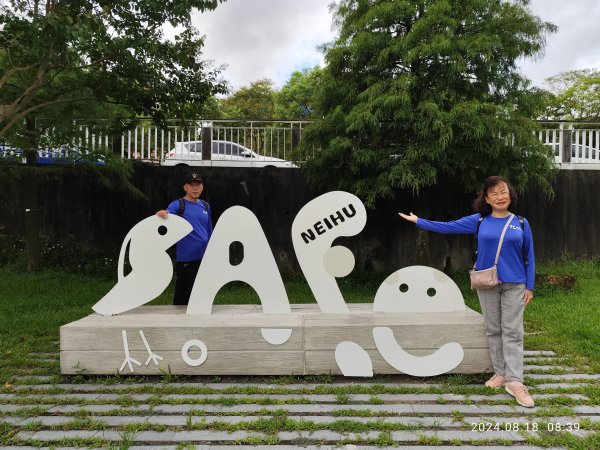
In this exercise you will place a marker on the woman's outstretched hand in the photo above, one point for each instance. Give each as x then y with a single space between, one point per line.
410 217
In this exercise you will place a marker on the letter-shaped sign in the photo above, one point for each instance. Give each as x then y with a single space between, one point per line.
316 226
411 290
418 289
258 268
151 267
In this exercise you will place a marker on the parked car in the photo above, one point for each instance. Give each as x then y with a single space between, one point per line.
224 154
51 156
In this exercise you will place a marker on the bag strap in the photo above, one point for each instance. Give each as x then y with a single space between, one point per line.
476 240
525 257
182 206
502 238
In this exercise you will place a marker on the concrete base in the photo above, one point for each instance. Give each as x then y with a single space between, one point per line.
235 345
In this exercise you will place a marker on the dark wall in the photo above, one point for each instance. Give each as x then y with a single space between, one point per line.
83 203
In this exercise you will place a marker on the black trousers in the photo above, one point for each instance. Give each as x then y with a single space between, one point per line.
186 275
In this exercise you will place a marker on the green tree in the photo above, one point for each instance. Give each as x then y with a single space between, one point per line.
64 56
67 59
415 91
575 95
255 101
295 100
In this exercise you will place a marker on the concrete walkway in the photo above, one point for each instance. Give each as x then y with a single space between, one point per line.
387 413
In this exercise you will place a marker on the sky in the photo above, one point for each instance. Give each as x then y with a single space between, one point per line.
273 38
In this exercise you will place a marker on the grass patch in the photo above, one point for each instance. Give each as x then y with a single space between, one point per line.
559 320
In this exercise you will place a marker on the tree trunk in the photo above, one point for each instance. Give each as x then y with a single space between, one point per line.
32 233
422 248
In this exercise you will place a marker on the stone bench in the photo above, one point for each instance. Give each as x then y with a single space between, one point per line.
235 345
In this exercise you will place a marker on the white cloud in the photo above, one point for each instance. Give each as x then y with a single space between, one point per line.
265 38
272 38
575 44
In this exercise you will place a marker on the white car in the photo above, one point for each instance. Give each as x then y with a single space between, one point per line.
224 154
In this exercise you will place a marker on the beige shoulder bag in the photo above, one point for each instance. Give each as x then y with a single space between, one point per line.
488 278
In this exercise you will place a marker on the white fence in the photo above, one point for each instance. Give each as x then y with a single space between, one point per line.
573 143
276 139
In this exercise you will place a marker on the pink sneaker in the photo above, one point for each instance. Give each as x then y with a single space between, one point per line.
496 381
519 391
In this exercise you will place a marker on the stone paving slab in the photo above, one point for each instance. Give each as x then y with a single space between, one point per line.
35 377
186 408
526 419
13 408
222 386
560 386
546 368
445 416
527 353
100 388
447 435
291 387
452 397
202 435
182 421
587 409
97 408
413 408
566 376
547 359
178 421
181 436
295 447
47 435
308 397
286 397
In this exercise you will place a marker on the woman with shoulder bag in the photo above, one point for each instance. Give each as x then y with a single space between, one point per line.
504 243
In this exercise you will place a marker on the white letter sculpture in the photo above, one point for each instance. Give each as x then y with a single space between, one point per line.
353 360
417 289
258 268
151 266
316 226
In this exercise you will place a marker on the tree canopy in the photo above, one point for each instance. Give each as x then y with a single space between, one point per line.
255 101
261 100
295 99
418 90
63 57
575 95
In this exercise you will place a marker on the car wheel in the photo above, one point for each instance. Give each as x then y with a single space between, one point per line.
181 165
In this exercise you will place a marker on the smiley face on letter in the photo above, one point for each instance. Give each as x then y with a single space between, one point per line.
417 289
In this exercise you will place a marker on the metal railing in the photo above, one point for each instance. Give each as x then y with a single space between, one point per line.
276 139
573 143
576 143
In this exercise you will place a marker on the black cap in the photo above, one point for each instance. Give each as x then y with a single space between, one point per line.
193 176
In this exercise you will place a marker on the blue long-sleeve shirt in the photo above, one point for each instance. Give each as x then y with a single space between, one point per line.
511 266
193 246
